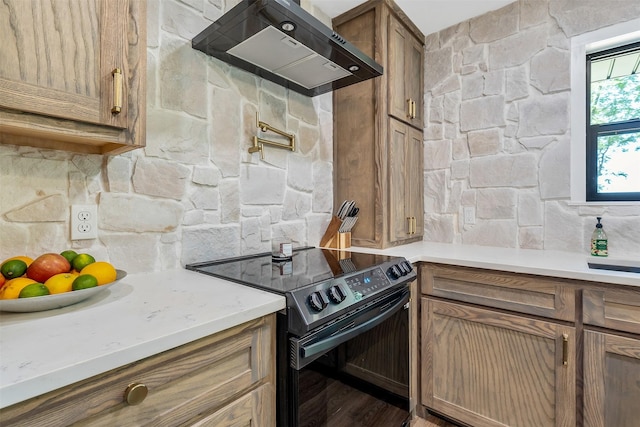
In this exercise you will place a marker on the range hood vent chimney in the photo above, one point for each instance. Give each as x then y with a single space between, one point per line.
279 41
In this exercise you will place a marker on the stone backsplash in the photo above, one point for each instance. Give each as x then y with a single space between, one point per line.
497 139
193 193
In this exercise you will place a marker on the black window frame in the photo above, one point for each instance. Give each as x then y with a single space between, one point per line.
594 131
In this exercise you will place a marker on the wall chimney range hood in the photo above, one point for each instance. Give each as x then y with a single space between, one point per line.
279 41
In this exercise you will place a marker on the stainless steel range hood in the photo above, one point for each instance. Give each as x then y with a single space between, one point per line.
281 42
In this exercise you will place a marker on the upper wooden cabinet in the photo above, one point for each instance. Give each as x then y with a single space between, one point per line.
405 188
405 68
72 74
378 145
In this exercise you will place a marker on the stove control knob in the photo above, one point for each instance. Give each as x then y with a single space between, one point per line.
393 272
316 301
408 266
404 268
336 295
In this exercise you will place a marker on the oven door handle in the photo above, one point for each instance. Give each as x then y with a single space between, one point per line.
334 340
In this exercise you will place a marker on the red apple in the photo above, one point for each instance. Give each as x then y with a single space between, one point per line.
47 265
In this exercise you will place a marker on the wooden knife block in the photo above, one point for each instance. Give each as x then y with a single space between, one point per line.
333 238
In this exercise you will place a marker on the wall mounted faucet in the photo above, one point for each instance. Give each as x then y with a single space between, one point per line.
259 143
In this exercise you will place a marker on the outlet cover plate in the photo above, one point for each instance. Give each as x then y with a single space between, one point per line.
84 222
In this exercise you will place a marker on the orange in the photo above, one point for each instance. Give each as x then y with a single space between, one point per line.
24 258
2 281
60 283
12 288
101 270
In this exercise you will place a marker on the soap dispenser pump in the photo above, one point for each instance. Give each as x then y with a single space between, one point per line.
599 242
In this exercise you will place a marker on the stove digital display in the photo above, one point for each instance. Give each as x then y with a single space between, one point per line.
368 282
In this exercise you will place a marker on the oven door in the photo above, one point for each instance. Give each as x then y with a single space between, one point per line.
306 349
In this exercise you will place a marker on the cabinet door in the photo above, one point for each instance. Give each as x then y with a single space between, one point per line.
487 368
406 217
58 89
58 56
611 380
405 64
414 80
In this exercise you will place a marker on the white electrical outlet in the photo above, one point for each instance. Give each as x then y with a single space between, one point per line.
469 215
84 222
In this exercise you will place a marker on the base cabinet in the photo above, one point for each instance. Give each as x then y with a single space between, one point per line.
223 380
487 368
611 380
611 357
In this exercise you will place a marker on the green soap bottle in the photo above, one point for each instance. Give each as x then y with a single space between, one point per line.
599 242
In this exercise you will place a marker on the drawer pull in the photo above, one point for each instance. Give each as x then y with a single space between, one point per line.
117 91
135 393
565 349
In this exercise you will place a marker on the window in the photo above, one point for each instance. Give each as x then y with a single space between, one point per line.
613 124
590 43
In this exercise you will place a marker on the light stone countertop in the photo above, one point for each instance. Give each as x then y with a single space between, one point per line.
567 265
146 314
142 315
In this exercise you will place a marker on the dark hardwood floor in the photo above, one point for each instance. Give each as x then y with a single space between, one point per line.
331 402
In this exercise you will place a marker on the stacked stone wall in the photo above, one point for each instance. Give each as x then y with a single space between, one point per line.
497 138
194 192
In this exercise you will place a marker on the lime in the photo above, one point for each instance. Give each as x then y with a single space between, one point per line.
80 261
84 281
34 290
69 255
13 268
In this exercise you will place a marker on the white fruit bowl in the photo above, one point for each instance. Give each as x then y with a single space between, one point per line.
50 302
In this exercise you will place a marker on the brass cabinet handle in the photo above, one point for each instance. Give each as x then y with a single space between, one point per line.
117 91
409 103
135 393
413 109
412 222
565 349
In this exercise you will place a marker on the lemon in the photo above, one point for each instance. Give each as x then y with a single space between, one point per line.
103 271
13 268
12 288
69 255
60 283
84 281
80 261
33 290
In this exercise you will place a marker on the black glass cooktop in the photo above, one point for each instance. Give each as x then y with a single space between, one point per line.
307 266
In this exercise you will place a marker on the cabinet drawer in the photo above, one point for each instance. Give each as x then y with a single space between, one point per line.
527 294
617 309
190 381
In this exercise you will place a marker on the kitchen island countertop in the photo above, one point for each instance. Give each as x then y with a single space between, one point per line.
568 265
142 315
